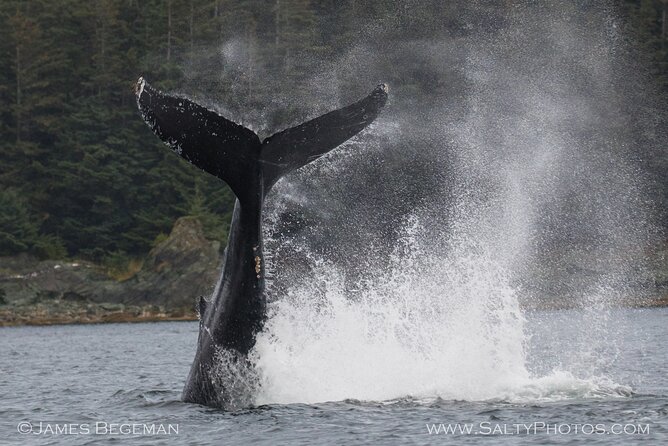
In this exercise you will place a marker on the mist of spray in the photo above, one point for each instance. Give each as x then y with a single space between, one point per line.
402 261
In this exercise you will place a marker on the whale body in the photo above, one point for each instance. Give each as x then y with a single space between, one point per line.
221 374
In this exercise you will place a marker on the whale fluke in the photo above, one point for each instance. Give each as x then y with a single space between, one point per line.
236 311
201 136
295 147
235 153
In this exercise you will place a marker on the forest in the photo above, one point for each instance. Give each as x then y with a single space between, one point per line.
81 176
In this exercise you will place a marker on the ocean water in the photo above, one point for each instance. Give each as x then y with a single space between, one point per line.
579 380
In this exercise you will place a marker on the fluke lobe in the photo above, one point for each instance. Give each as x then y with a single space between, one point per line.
221 375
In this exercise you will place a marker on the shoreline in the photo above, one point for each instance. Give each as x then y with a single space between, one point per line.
132 315
83 314
112 319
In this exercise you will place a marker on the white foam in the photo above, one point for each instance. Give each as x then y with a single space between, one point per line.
406 334
535 189
429 327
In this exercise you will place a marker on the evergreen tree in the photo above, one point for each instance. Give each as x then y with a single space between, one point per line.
79 170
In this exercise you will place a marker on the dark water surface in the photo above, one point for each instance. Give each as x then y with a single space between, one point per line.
80 380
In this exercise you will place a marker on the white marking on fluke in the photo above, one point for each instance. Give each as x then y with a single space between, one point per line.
139 88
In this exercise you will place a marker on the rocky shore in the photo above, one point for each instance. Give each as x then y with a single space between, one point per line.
61 312
166 287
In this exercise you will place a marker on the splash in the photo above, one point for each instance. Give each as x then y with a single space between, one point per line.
502 175
418 328
521 208
430 326
234 378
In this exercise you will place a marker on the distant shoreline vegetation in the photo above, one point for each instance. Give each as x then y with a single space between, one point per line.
83 179
165 285
81 176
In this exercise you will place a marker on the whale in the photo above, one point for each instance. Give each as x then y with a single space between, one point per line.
222 374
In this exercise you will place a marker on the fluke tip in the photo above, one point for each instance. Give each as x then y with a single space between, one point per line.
139 86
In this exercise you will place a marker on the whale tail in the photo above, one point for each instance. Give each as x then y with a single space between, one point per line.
235 153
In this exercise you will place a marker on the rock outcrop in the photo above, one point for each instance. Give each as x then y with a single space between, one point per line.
174 274
178 270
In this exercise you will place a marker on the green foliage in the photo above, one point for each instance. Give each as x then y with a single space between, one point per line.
121 266
647 23
159 239
216 226
81 175
75 151
19 230
49 246
116 261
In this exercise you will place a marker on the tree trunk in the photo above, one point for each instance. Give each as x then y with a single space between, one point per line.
18 91
169 30
191 24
